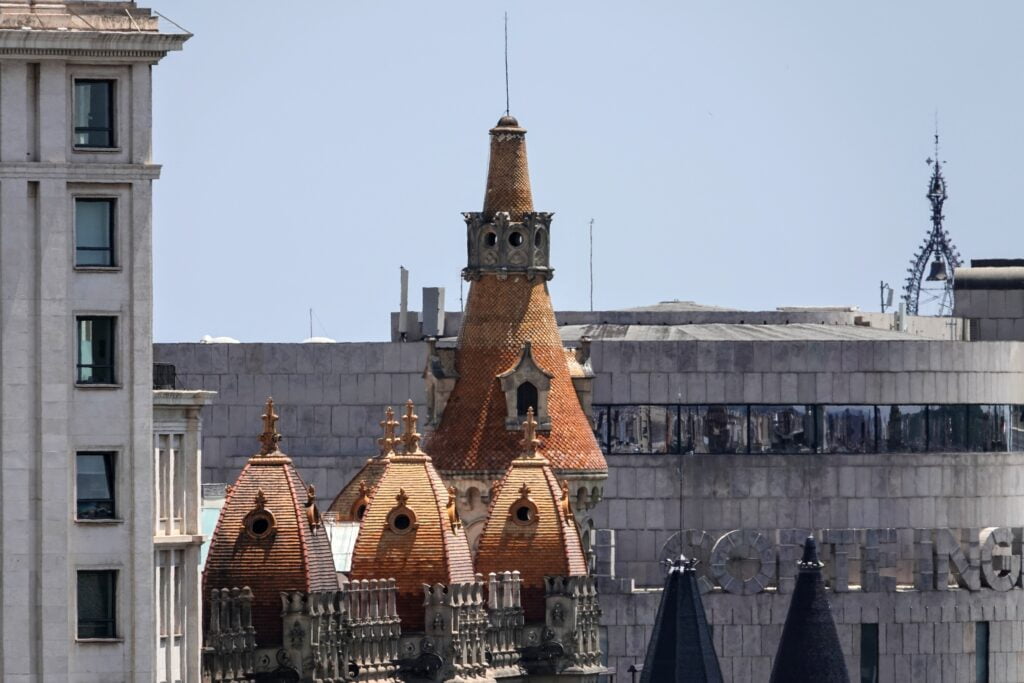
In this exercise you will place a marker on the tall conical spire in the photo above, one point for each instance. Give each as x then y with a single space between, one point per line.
508 176
809 649
681 648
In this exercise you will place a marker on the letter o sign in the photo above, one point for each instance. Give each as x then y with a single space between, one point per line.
743 562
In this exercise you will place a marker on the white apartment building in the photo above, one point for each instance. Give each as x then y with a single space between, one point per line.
76 401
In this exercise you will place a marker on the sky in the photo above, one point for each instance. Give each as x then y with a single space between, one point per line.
743 154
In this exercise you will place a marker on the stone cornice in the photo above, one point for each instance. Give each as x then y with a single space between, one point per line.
80 172
106 44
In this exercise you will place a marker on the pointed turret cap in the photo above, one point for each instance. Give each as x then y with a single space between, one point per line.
680 648
508 176
809 649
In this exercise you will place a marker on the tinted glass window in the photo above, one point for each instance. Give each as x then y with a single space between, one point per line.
94 113
902 429
94 232
849 429
96 350
987 428
94 480
642 429
782 429
1017 428
720 429
947 428
96 604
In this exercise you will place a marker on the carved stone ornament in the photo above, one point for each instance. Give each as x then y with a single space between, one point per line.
453 512
296 634
260 522
523 511
401 520
526 370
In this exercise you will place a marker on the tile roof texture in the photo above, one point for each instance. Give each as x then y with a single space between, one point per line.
294 557
501 316
365 480
508 175
433 551
550 546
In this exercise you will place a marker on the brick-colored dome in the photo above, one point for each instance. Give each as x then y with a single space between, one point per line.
410 531
269 538
501 316
530 528
508 176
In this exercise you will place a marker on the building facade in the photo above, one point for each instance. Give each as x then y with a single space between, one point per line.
76 541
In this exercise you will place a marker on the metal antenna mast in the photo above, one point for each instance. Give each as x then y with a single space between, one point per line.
936 246
591 264
506 65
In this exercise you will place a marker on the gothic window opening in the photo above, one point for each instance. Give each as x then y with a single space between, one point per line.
526 398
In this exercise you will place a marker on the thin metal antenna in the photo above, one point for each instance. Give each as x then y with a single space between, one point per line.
311 323
506 65
591 264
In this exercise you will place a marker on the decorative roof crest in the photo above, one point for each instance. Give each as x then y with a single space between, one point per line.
410 437
565 503
402 497
270 438
452 510
524 491
530 441
261 499
388 442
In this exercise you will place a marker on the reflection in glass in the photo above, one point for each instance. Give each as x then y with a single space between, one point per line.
642 429
902 429
947 428
849 429
1016 428
94 113
599 423
986 428
720 429
94 485
782 429
97 604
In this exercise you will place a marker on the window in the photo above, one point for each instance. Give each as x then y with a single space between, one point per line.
94 113
643 429
94 232
947 428
526 398
720 429
849 429
869 653
981 652
902 429
986 428
94 483
96 350
782 429
97 600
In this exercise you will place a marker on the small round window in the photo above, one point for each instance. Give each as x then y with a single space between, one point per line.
401 520
490 239
515 238
523 512
259 524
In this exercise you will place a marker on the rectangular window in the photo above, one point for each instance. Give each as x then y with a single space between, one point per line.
981 652
782 429
94 482
720 429
97 604
94 232
986 428
902 429
96 349
94 113
869 653
1017 428
599 423
947 428
849 429
642 429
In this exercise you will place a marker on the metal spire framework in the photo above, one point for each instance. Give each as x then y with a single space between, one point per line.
937 246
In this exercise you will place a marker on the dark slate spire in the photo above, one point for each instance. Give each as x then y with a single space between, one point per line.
680 648
809 649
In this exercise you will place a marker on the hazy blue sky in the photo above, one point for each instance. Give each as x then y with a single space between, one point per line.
746 154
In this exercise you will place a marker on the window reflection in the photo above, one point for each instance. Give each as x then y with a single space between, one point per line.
1017 428
986 428
599 423
782 429
902 429
720 429
849 429
947 428
642 429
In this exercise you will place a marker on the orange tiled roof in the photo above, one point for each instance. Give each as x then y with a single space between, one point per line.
549 546
501 316
362 485
433 550
508 175
294 556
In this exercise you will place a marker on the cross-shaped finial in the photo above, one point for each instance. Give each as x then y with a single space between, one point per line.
389 440
261 499
530 441
269 438
410 437
402 497
524 491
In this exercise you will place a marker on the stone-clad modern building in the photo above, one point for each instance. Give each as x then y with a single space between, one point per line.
76 529
729 437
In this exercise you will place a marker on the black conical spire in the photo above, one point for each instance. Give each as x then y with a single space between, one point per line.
680 648
809 650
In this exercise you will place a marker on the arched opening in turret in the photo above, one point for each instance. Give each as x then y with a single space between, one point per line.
526 398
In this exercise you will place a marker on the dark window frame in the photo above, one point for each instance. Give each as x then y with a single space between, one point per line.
109 464
110 376
110 128
111 233
98 627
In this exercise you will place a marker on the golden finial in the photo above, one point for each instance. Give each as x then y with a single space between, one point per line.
269 438
410 437
261 499
402 498
530 441
388 442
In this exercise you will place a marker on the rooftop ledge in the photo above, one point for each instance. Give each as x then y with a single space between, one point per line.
60 42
